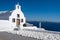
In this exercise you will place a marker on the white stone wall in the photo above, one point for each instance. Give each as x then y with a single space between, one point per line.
39 35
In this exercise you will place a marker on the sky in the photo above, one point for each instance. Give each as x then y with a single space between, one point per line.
44 10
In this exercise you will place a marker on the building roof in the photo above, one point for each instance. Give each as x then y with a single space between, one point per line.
5 15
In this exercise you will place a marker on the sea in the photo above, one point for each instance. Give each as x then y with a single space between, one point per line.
51 26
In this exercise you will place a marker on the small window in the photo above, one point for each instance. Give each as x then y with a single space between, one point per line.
21 20
18 15
13 20
18 7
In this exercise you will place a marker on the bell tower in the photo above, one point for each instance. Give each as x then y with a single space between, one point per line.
18 7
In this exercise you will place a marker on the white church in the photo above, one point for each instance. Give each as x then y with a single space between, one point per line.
17 21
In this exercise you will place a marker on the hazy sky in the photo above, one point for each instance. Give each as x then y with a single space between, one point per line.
44 10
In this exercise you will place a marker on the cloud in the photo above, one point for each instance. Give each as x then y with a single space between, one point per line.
3 12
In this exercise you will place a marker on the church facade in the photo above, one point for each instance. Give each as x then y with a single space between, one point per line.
17 18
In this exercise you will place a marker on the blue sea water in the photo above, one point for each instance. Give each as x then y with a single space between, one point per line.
52 26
